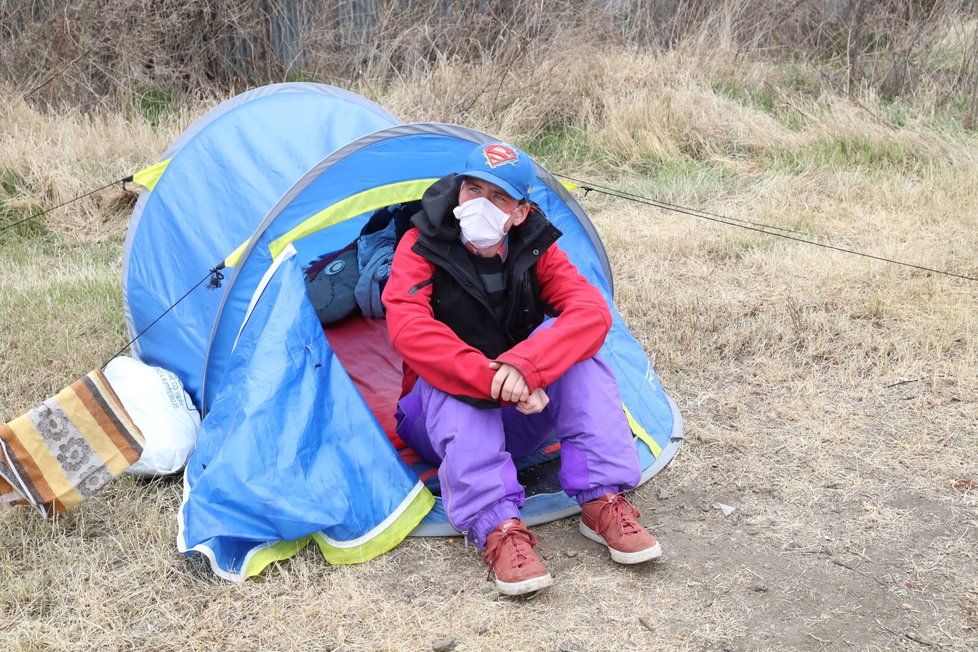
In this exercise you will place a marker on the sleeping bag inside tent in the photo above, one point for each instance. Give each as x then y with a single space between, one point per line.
297 444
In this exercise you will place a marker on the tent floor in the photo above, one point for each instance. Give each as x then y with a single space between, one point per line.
363 346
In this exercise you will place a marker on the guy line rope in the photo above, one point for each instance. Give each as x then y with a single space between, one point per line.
758 227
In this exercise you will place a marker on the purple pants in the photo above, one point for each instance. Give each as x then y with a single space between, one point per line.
474 447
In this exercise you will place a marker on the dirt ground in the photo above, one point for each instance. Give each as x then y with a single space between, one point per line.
862 557
830 581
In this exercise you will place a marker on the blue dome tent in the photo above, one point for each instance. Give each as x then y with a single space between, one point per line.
208 192
296 446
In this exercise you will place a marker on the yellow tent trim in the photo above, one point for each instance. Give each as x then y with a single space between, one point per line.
569 185
281 550
392 535
358 204
148 177
641 433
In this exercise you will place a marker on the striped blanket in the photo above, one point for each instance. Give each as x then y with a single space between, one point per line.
67 448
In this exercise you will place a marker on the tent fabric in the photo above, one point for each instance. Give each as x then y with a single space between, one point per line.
222 176
296 448
295 467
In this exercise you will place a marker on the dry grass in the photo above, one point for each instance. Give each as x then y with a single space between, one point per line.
829 398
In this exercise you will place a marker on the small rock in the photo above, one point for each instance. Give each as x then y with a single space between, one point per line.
704 507
726 509
549 556
483 629
728 648
662 494
410 595
571 553
444 646
760 587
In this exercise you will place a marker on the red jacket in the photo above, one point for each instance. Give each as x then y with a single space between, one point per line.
433 351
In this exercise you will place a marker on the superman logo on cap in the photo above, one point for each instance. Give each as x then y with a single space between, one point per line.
499 154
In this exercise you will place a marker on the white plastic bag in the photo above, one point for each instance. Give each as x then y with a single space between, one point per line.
163 411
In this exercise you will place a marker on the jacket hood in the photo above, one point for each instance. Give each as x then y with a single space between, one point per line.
435 220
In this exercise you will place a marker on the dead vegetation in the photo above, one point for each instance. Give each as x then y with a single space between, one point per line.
148 55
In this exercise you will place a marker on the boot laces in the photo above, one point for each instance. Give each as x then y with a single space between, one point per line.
622 513
521 542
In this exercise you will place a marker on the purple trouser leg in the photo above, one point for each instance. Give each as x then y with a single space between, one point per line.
467 444
474 447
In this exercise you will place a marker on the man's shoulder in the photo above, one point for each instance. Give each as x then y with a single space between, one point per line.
408 240
410 237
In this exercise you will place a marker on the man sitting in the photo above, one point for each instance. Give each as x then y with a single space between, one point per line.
489 376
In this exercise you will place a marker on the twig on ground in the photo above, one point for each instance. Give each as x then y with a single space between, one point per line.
917 638
904 382
912 636
839 562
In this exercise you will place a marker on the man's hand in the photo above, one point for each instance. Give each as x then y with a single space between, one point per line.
537 401
508 383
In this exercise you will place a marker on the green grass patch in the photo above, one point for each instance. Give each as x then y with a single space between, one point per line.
62 305
16 222
9 183
300 76
862 153
960 114
561 144
898 112
754 98
27 253
154 103
22 229
797 81
683 178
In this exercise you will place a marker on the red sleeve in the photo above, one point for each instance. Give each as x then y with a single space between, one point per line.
576 334
429 347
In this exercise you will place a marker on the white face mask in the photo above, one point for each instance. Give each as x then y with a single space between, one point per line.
482 222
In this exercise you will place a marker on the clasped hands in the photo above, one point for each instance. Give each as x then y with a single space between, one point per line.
509 385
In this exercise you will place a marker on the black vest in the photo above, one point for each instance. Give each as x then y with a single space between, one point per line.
459 298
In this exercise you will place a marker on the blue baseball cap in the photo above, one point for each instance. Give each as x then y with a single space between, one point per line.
504 165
